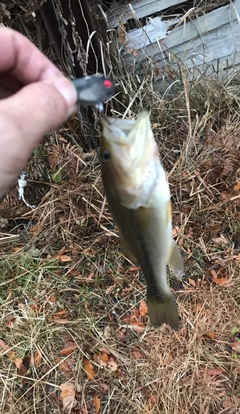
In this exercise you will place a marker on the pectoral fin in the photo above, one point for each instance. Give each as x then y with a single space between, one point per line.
175 261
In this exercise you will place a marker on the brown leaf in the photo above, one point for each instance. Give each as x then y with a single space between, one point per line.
88 368
60 313
131 321
17 249
112 365
214 372
211 334
134 269
143 308
136 354
21 368
214 274
12 355
68 396
9 322
70 346
103 357
110 289
235 347
58 320
152 401
65 365
221 281
64 258
37 358
220 240
237 186
138 326
192 282
97 403
18 362
3 345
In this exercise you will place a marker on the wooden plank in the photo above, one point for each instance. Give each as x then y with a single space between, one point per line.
222 43
137 9
196 29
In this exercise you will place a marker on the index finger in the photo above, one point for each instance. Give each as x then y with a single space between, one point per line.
22 60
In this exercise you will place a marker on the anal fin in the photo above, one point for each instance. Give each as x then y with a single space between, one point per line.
175 261
128 252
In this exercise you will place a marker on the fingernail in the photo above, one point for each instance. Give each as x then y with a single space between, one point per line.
67 90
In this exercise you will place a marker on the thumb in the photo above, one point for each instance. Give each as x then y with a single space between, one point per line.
26 116
40 107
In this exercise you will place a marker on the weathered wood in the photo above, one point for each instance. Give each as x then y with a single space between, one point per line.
137 9
211 41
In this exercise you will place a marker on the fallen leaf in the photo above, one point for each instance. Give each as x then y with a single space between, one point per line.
220 240
70 346
103 357
18 362
152 401
192 282
34 307
214 372
52 299
17 249
237 186
136 354
88 368
60 313
211 334
138 326
58 320
12 355
235 347
221 281
103 387
65 365
131 321
143 308
97 403
134 269
9 322
112 365
231 404
21 368
64 258
110 289
3 345
37 358
214 274
68 396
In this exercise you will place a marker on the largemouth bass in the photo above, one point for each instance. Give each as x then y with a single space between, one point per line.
138 196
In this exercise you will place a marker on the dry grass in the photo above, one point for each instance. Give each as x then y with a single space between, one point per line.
98 293
65 283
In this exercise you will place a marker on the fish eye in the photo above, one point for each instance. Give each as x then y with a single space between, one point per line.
106 155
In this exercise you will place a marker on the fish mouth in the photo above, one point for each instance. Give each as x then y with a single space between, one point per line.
127 132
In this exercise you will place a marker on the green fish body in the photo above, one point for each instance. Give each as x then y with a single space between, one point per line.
138 196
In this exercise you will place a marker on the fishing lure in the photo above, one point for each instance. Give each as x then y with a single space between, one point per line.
94 90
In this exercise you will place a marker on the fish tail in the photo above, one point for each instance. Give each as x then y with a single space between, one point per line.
163 309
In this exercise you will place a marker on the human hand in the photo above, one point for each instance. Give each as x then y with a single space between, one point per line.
35 98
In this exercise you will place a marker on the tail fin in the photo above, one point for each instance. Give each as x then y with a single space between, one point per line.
163 310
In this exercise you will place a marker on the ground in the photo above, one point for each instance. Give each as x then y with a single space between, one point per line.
75 335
